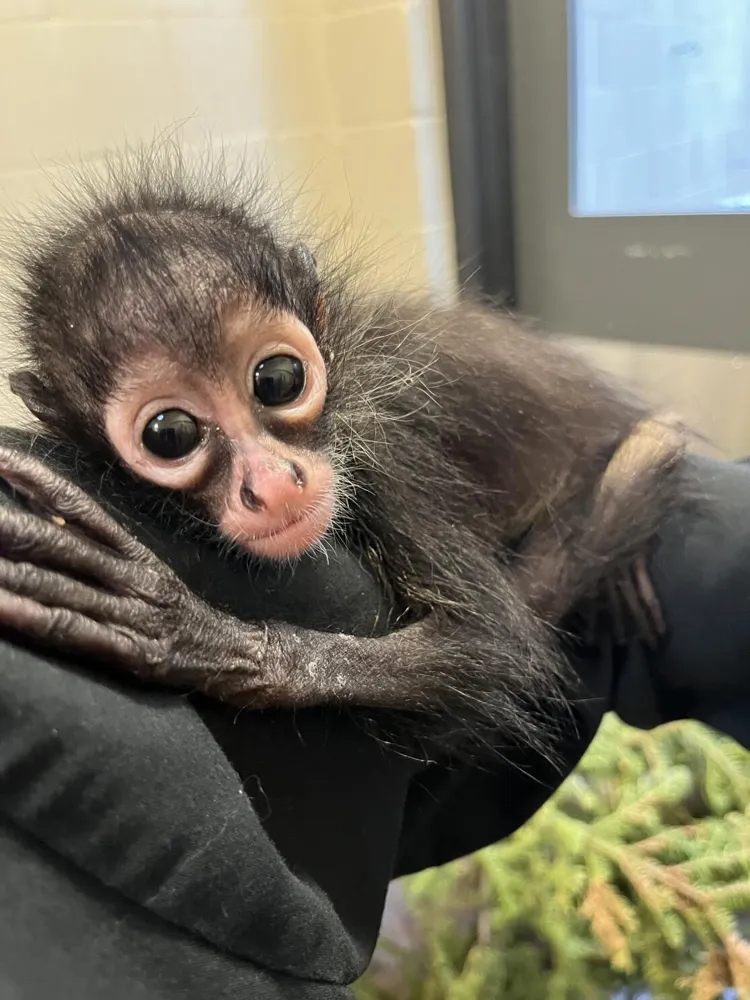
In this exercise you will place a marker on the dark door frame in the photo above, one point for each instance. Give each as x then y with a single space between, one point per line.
477 91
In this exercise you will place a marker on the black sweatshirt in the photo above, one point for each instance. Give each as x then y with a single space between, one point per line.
155 846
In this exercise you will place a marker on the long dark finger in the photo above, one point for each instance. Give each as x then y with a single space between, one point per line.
59 591
644 625
71 632
25 537
618 623
648 594
42 486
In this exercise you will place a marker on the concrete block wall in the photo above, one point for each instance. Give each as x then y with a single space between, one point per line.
710 390
342 99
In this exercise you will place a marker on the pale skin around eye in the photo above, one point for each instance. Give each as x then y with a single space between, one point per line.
274 499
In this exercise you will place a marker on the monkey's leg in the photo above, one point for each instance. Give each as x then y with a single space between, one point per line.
105 595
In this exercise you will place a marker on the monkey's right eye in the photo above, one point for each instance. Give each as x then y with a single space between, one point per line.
171 435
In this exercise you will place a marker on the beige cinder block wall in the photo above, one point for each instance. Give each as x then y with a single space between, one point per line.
708 389
342 100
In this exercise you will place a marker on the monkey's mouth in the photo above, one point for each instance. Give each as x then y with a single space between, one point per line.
282 530
292 538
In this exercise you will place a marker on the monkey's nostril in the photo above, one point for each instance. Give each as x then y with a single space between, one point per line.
299 474
250 499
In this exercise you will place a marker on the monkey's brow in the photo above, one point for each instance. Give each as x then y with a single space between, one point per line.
150 366
246 307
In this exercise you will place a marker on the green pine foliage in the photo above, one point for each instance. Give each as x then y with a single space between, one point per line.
636 875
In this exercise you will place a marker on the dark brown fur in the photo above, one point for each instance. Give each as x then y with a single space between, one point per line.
495 481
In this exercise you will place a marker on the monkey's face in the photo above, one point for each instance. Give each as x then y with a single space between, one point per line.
235 439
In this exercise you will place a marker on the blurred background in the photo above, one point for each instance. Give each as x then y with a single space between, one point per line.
589 163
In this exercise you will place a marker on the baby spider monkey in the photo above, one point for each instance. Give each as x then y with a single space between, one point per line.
496 483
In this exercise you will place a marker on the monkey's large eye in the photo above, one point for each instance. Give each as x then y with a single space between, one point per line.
279 380
172 434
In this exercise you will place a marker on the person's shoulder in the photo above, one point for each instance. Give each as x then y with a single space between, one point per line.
229 831
708 534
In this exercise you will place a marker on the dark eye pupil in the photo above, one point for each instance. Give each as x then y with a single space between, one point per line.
279 380
172 434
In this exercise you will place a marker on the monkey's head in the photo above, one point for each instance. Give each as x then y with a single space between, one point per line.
180 334
238 437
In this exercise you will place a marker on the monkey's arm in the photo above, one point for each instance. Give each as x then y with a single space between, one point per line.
75 580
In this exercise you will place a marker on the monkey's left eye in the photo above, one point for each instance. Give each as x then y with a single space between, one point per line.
279 380
171 435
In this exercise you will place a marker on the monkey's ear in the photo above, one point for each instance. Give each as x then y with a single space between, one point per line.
308 258
30 388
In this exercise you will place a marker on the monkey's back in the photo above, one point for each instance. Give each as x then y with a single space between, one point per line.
499 444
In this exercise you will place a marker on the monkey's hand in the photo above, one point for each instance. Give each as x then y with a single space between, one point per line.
77 582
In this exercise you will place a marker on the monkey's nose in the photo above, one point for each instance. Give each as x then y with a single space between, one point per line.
254 498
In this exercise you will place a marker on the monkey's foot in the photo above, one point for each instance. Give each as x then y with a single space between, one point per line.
97 591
